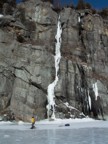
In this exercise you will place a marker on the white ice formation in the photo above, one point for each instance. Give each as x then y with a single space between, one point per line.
95 89
89 100
51 87
79 20
1 15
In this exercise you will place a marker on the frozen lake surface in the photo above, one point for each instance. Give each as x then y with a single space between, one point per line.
79 132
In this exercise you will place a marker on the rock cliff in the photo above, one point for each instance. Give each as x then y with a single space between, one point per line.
27 48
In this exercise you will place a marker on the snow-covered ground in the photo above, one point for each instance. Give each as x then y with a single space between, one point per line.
84 131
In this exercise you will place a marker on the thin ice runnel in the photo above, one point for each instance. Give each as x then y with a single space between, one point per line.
51 87
95 89
89 100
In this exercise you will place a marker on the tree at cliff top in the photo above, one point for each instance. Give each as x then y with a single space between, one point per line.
12 3
1 4
51 1
83 5
104 13
80 5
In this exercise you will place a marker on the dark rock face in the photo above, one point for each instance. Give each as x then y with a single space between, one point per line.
27 43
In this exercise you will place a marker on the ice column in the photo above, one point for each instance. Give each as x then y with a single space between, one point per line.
95 89
51 87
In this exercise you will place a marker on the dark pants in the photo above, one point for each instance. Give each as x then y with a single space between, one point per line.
32 126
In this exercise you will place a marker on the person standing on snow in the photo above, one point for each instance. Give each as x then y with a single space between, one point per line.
33 122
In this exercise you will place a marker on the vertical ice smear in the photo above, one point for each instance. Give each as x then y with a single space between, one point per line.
79 20
89 100
1 15
95 89
51 87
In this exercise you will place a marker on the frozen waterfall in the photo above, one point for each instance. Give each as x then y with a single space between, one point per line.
51 87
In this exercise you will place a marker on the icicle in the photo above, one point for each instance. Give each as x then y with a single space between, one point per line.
95 89
51 87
